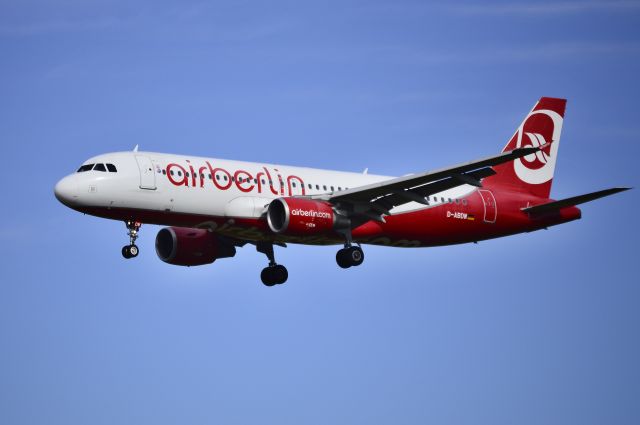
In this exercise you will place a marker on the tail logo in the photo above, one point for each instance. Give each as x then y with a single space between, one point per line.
540 127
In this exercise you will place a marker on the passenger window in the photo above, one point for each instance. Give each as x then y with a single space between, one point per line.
218 177
187 174
309 185
457 201
317 187
442 199
324 187
450 201
225 177
332 188
164 172
464 202
112 168
293 184
339 188
263 182
171 172
87 167
179 173
100 167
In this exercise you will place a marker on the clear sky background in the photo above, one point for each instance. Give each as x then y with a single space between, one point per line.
540 328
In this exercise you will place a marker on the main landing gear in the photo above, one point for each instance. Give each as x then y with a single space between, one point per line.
350 255
131 250
273 274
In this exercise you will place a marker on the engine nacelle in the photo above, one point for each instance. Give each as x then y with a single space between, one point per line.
300 217
182 246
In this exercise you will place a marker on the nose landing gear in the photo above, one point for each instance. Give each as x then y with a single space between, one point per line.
131 250
273 274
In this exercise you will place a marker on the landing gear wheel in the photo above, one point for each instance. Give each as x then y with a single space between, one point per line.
267 276
342 258
130 251
350 257
274 275
281 274
356 255
133 251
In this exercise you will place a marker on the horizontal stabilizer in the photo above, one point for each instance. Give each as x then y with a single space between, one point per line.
575 200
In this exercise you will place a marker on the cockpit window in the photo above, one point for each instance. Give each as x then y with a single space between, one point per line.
112 168
86 167
100 167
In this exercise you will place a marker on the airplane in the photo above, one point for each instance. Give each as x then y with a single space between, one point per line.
213 206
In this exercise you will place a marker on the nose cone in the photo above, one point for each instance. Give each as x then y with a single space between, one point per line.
66 191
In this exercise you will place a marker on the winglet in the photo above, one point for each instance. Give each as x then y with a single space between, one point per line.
135 149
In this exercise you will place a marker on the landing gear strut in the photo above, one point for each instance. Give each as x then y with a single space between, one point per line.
350 255
273 274
131 250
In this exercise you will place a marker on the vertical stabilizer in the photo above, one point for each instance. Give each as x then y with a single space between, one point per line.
533 173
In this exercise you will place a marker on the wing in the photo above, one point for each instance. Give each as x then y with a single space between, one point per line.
373 201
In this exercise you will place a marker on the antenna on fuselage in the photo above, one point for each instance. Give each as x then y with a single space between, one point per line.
366 171
135 149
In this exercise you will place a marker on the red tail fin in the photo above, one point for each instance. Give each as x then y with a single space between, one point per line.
533 173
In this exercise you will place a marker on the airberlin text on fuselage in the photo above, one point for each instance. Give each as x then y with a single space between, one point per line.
224 179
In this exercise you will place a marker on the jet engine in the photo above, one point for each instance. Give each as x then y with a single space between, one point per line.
302 217
183 246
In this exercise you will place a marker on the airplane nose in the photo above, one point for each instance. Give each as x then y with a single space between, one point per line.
66 190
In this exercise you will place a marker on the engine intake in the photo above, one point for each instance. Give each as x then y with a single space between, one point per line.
183 246
299 217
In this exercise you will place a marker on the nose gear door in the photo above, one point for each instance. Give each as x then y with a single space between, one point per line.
147 176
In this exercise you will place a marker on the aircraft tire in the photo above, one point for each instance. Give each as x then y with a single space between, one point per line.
281 274
342 258
268 276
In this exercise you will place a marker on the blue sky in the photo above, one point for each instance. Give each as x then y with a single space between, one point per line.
537 328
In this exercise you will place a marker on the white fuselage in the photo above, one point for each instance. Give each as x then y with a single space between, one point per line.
204 186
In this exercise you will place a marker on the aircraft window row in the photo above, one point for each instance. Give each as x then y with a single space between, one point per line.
447 200
98 167
248 180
